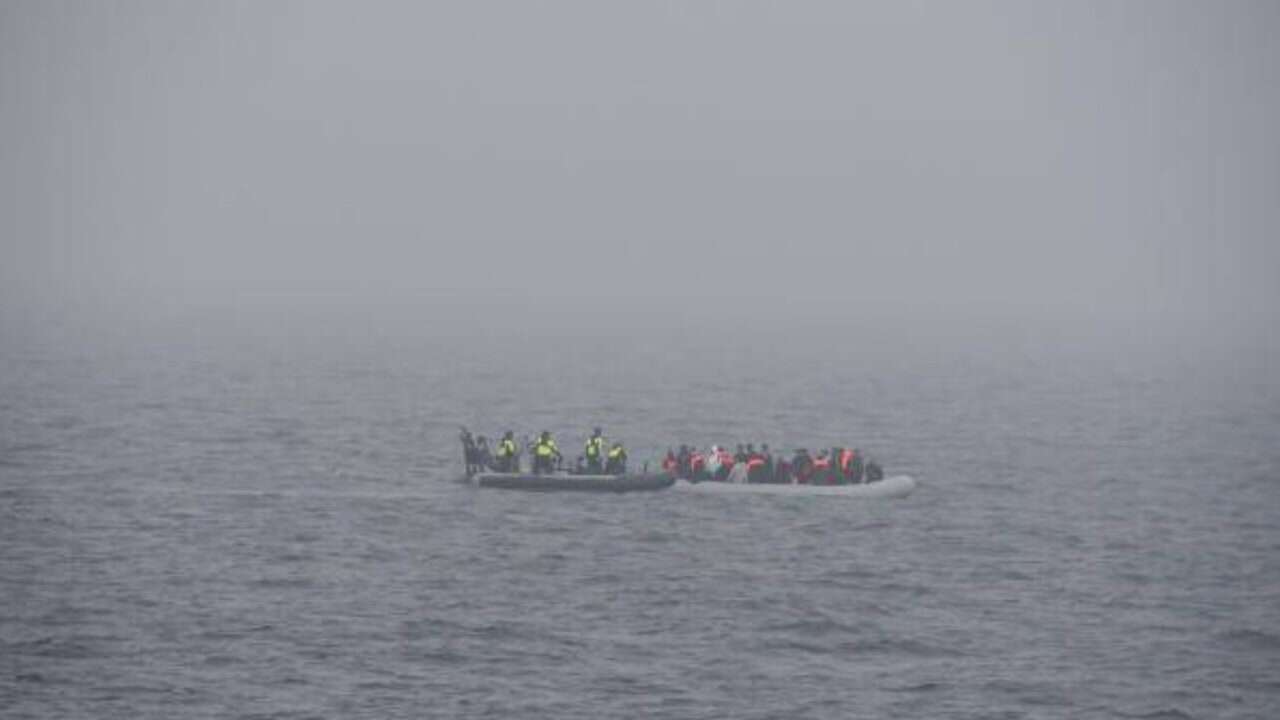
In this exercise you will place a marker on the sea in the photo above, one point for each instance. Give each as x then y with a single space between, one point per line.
252 519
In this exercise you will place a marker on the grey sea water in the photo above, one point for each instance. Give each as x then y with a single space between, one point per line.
206 524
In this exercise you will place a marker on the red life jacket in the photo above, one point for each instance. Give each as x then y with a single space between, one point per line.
697 462
846 457
755 462
726 459
669 464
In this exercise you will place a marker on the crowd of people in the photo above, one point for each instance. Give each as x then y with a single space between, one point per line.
838 466
545 454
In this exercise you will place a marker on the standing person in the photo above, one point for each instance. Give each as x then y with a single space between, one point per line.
594 452
697 464
617 464
468 452
802 466
682 462
781 471
712 465
874 472
769 469
726 465
669 464
834 473
508 454
483 457
846 462
545 453
755 465
821 469
855 467
740 456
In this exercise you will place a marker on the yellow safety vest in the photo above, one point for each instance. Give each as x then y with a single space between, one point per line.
594 445
546 448
506 448
615 453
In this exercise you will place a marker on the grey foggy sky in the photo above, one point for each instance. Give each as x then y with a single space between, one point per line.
1080 158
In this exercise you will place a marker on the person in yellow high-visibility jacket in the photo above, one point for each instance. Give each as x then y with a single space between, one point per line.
508 454
545 453
594 452
617 464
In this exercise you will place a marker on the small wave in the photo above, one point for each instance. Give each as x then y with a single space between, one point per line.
913 590
1251 640
285 582
63 422
27 447
921 688
818 625
655 536
72 648
294 557
1266 686
909 647
1162 714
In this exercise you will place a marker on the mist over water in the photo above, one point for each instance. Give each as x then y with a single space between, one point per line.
259 262
1107 164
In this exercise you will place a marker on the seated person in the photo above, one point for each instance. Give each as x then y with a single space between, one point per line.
874 471
617 461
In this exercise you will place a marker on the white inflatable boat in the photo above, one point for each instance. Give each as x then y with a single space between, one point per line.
892 487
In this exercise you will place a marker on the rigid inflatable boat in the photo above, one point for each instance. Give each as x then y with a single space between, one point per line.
568 482
893 487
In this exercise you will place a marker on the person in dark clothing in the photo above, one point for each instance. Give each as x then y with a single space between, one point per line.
740 456
874 471
768 463
682 462
755 465
483 457
801 465
855 467
782 471
834 476
468 452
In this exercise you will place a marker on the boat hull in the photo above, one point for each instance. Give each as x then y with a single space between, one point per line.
894 487
563 482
